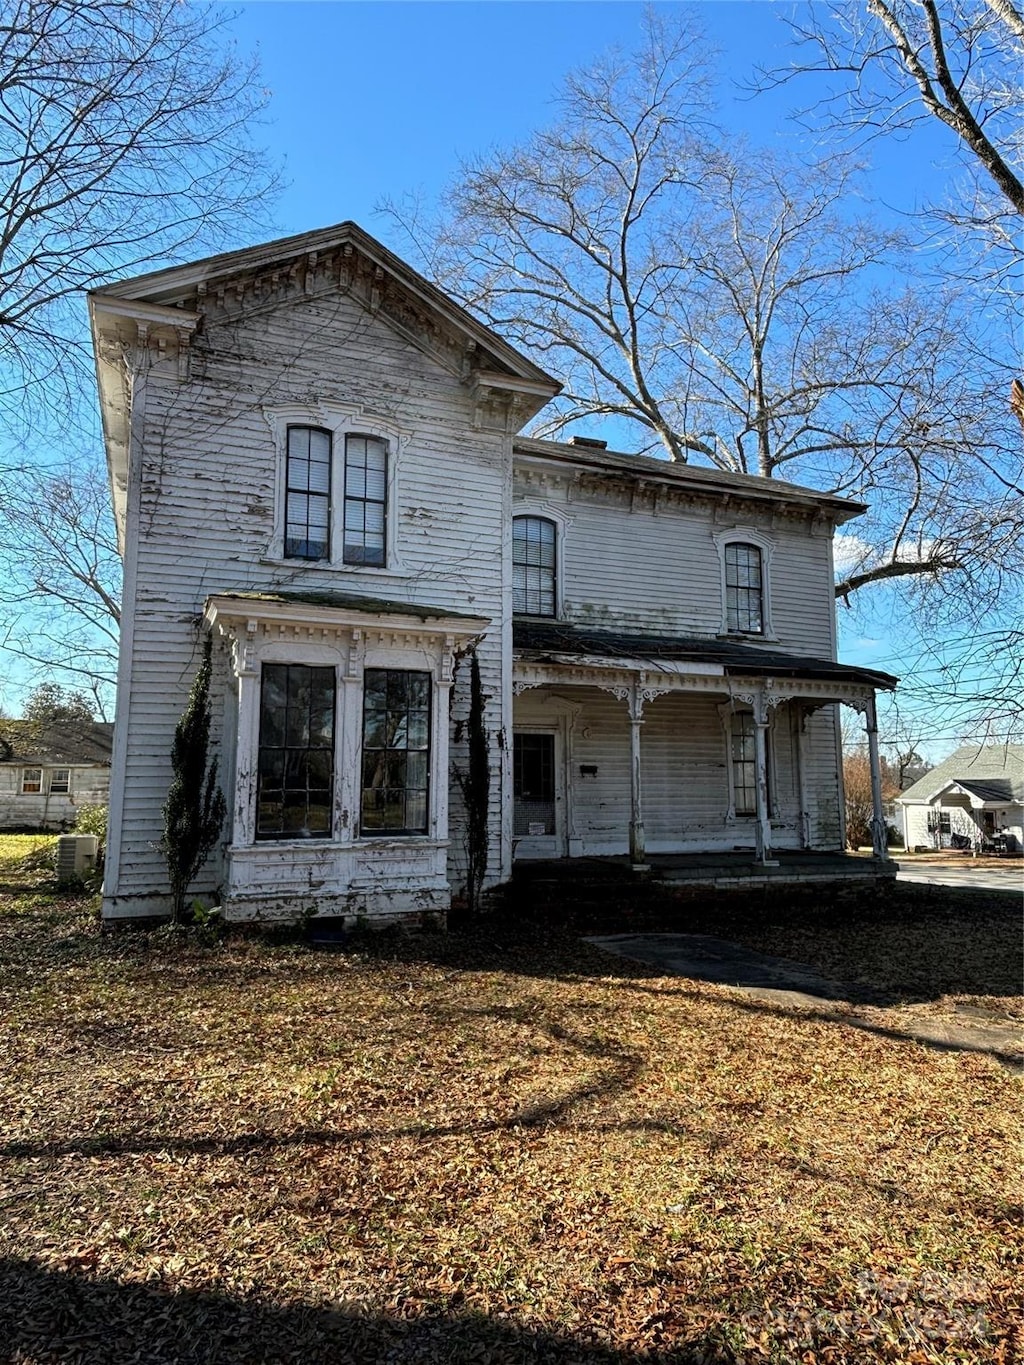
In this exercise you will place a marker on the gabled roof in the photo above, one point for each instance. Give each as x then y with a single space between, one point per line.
998 789
540 641
689 477
975 766
168 307
57 742
171 288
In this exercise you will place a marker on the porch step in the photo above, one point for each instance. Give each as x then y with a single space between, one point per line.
606 894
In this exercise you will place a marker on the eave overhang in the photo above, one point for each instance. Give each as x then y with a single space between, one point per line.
695 480
339 611
983 794
736 666
168 305
118 327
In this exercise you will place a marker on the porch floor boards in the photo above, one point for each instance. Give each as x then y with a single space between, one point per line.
719 870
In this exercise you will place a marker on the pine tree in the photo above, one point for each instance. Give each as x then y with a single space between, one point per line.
195 808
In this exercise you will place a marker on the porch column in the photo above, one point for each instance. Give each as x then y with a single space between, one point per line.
879 839
637 844
762 821
247 671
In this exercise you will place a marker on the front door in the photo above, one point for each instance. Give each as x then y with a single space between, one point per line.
536 813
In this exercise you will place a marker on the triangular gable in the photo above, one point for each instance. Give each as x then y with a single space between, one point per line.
165 308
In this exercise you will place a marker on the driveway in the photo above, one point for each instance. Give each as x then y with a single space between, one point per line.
1010 878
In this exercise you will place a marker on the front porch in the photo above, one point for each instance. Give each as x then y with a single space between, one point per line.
657 747
714 871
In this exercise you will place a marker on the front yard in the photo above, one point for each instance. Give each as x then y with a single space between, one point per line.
484 1147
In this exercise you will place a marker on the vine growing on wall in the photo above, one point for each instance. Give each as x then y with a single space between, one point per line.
475 785
195 808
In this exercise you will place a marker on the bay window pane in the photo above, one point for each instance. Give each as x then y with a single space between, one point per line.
396 738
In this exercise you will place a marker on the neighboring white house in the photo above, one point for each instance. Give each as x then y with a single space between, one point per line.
974 799
314 455
48 770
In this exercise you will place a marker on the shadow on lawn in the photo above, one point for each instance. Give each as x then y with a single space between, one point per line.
906 944
71 1318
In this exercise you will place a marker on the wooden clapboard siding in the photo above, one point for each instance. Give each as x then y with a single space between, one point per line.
630 563
684 763
50 810
205 523
823 778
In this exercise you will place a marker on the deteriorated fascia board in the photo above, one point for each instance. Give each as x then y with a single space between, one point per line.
124 332
722 489
346 251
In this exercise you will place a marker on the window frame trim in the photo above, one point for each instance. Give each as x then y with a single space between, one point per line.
343 508
746 535
340 420
371 836
546 511
56 791
330 836
305 559
726 711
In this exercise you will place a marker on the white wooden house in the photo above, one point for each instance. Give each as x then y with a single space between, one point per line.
49 770
315 455
973 799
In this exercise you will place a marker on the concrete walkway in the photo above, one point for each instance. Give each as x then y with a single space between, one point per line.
778 981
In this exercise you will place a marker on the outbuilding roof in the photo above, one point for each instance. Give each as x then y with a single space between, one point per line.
977 768
69 744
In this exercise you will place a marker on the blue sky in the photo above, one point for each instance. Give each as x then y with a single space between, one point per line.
374 99
369 100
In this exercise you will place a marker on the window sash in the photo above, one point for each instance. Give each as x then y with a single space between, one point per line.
744 764
60 782
395 796
31 781
295 773
308 494
366 494
534 565
744 588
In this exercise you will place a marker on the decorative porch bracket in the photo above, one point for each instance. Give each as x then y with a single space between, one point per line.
636 695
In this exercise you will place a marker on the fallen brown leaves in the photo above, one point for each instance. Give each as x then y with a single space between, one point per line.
480 1147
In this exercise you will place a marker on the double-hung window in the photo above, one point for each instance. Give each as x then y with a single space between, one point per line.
31 780
60 781
396 752
308 494
366 492
296 753
534 564
744 588
744 763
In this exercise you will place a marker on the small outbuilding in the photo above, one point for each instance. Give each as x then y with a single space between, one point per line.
50 769
975 799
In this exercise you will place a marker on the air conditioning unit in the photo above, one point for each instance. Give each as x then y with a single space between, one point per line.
76 856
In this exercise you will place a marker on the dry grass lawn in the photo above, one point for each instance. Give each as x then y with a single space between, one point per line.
481 1147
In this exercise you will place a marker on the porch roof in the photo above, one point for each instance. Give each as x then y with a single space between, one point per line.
996 791
550 642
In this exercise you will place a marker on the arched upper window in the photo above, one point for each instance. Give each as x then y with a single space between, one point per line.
534 562
308 494
744 588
